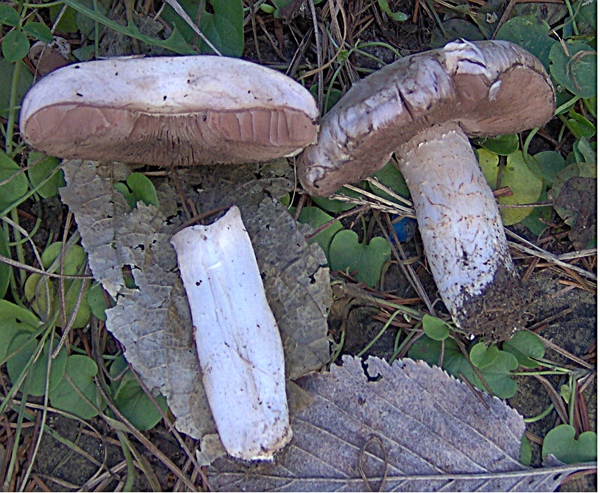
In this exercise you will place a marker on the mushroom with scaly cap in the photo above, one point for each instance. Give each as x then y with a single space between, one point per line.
422 108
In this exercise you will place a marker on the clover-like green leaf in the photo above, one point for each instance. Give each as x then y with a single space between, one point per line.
39 31
13 182
524 184
14 320
81 371
482 355
435 328
15 45
397 16
574 66
531 33
346 253
525 345
496 374
142 189
561 443
503 145
546 164
131 399
42 292
96 298
8 16
580 126
223 25
42 168
315 217
26 347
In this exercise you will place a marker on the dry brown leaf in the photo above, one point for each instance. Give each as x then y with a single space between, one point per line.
406 427
152 321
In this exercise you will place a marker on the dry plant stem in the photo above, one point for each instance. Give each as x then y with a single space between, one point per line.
183 14
539 252
556 399
407 269
565 353
462 231
145 441
167 420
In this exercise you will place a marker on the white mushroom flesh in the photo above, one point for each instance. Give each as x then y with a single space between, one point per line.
237 338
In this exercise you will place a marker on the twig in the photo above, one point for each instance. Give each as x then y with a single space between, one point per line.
554 397
565 353
184 15
536 251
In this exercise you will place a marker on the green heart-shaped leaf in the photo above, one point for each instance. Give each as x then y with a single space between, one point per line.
503 145
15 46
561 443
13 182
496 374
435 328
546 164
524 184
14 320
66 396
525 345
530 33
142 188
315 217
482 355
27 347
575 70
45 169
346 253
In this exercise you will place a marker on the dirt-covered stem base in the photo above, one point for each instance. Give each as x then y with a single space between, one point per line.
462 232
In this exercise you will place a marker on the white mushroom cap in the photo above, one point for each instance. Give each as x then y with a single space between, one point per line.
169 111
487 87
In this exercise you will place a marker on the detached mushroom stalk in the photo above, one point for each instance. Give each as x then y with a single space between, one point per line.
237 338
422 108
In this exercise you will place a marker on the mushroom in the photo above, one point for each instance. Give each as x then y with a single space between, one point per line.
169 111
422 108
237 338
174 111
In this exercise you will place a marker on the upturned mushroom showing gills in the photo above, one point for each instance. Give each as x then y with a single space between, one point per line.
422 108
169 111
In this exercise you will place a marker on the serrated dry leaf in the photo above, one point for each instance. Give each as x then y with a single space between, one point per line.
153 322
407 427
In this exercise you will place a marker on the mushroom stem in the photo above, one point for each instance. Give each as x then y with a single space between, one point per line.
462 231
237 338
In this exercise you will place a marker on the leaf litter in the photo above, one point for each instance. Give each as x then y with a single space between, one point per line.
363 425
371 426
152 320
